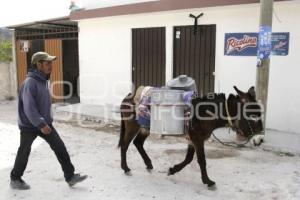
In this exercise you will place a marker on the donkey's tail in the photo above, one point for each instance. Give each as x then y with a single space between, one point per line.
125 103
122 132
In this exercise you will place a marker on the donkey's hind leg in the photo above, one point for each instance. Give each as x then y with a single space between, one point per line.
129 135
139 143
188 159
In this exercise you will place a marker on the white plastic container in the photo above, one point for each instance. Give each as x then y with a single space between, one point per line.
167 112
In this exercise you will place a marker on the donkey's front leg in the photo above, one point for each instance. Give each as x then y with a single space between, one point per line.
188 159
202 162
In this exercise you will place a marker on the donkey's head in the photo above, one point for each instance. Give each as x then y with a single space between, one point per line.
249 122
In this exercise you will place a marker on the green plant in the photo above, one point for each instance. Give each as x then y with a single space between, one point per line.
5 51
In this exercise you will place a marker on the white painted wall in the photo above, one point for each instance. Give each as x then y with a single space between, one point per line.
105 56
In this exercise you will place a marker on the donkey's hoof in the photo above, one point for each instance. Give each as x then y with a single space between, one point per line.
170 172
149 165
208 182
150 168
212 188
211 184
129 173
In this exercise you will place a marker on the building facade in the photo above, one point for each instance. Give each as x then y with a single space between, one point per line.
122 45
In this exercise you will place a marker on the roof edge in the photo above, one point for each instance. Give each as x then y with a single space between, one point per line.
154 6
40 21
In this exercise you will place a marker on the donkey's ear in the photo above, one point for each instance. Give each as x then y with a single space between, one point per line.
252 88
251 92
241 94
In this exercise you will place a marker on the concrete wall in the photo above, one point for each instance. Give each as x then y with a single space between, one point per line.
6 82
105 56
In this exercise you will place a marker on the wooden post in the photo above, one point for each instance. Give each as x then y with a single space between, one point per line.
262 72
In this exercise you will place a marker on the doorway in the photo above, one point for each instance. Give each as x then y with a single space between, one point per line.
194 55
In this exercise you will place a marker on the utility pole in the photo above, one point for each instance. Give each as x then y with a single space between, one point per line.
264 51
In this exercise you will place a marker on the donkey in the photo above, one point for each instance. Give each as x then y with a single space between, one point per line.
242 112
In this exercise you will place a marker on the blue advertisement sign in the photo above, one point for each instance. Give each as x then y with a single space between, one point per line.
246 44
240 44
280 44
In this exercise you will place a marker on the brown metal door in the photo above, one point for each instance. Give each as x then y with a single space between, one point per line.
194 55
21 63
54 47
148 56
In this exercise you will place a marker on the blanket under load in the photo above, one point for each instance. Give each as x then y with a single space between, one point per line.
144 105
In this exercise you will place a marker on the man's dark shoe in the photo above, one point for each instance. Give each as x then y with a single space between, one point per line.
19 184
76 178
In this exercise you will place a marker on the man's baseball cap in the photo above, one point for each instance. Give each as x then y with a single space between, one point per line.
41 56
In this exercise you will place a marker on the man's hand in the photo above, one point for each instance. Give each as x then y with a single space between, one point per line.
46 130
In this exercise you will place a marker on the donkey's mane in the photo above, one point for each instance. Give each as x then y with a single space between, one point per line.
216 97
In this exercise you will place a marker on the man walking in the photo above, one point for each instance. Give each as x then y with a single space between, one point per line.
35 119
